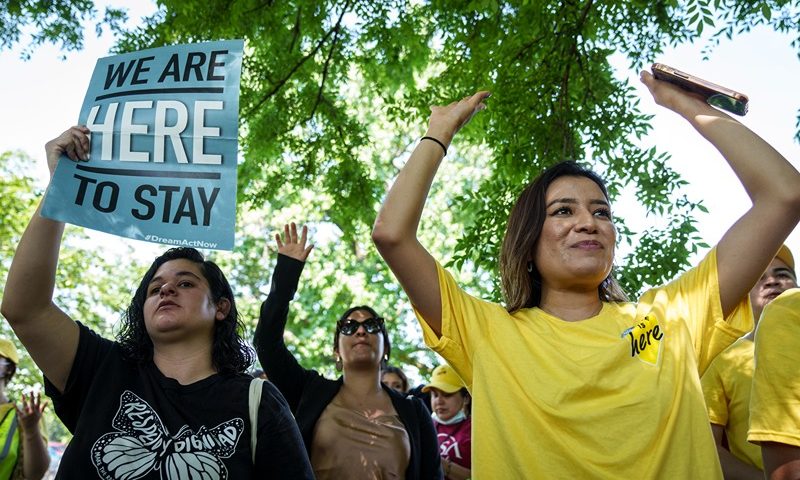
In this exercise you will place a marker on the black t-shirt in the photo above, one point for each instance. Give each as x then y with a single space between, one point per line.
131 422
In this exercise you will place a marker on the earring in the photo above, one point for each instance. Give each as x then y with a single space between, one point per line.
339 363
530 266
386 357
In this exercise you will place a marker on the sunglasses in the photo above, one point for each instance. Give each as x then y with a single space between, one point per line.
349 326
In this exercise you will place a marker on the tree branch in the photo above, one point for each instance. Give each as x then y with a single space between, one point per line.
294 69
295 30
563 100
268 3
527 47
325 67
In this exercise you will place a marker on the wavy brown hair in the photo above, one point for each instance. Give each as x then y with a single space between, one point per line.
229 352
523 289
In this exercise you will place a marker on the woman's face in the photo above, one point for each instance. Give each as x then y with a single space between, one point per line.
6 366
576 246
446 405
393 381
361 349
178 304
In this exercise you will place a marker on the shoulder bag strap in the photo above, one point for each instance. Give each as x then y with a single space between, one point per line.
255 400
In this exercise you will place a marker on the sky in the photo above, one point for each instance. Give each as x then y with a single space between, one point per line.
760 64
42 96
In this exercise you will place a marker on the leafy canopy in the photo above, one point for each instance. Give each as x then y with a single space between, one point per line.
335 93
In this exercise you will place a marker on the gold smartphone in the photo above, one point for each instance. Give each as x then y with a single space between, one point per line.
716 95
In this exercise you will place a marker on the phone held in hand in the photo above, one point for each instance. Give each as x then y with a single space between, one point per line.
715 95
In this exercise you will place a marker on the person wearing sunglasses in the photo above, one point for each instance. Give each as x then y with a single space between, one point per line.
354 426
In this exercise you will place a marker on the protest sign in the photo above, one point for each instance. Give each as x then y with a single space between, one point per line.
164 143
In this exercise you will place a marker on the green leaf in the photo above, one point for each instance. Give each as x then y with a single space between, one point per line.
766 11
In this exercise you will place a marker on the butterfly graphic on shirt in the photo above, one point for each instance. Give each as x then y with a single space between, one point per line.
141 444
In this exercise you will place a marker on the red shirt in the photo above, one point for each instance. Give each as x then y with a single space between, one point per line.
455 442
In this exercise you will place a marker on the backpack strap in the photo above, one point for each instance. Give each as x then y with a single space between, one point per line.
255 400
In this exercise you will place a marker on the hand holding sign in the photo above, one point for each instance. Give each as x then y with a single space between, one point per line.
74 143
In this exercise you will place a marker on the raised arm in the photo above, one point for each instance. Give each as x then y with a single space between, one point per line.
395 230
36 460
49 335
279 364
771 182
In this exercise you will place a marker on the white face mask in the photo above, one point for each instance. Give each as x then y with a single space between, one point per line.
458 417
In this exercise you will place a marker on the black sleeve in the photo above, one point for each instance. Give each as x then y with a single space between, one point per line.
92 350
430 462
425 397
280 452
277 361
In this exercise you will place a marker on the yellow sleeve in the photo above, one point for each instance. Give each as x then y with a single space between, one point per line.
714 393
693 298
775 400
465 321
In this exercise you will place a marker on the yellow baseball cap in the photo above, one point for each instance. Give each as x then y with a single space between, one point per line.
785 255
9 350
445 379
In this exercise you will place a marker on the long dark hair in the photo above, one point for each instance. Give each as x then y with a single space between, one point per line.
229 353
387 345
523 289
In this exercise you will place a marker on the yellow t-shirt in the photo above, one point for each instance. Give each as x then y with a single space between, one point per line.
726 387
10 444
775 401
613 396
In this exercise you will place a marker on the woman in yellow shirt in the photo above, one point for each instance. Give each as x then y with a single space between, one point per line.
568 380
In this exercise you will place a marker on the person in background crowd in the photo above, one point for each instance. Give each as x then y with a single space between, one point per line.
450 404
353 427
394 378
170 398
568 378
775 400
23 446
728 380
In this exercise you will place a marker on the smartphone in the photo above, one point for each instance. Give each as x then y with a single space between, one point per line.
715 95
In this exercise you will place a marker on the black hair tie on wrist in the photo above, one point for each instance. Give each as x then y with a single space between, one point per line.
437 141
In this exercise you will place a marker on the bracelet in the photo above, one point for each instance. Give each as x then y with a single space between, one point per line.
437 141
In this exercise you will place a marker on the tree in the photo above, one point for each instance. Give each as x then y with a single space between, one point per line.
51 21
327 86
86 287
334 94
322 80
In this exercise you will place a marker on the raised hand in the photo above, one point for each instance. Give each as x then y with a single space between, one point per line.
291 245
673 97
74 143
30 413
446 121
